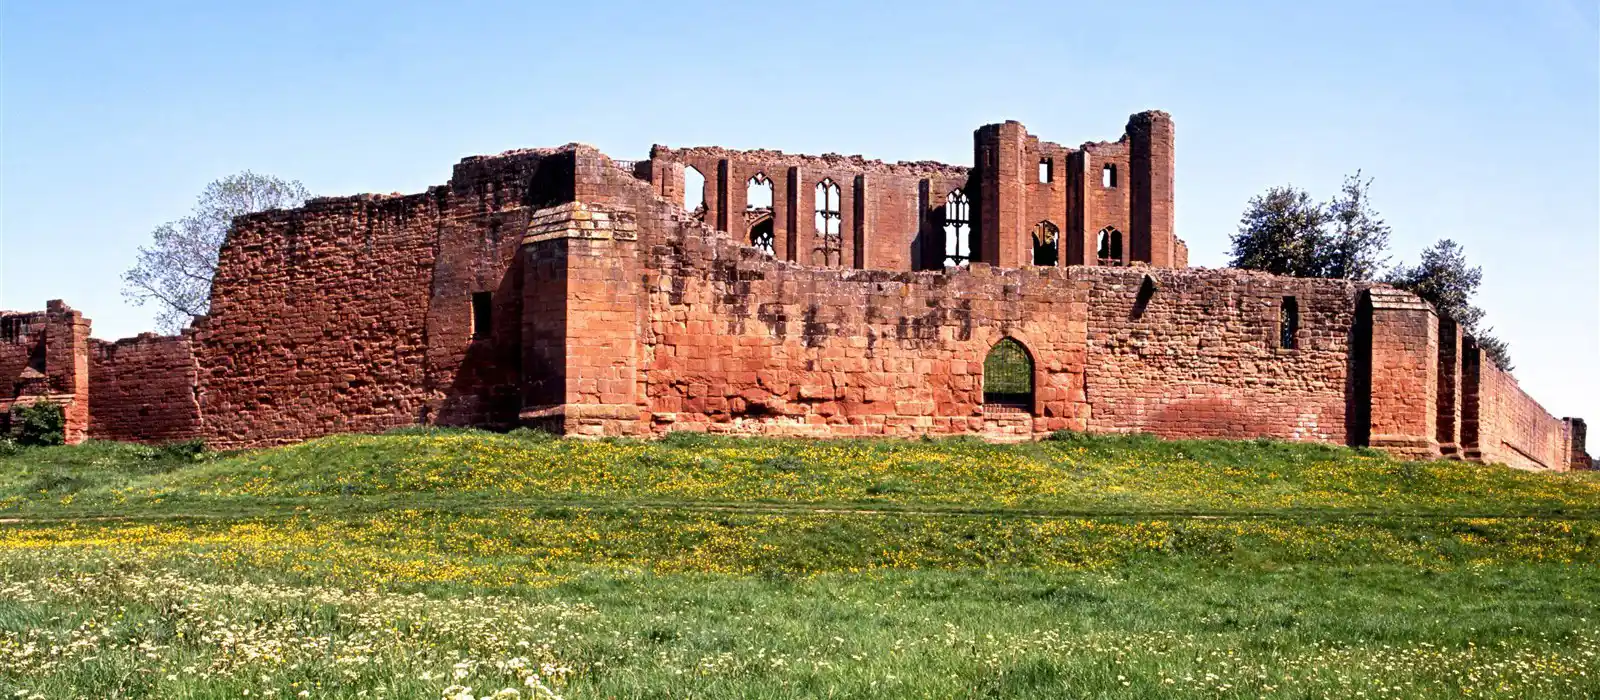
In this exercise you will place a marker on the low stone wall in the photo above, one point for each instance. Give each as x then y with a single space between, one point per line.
143 389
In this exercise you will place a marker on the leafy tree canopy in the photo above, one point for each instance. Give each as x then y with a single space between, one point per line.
1286 232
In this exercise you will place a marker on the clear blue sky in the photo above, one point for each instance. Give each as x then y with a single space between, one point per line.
1479 120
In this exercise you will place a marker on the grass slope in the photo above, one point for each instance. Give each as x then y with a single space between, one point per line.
418 563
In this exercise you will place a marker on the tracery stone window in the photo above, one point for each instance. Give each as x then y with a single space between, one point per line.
758 193
1110 250
957 229
1046 244
758 213
761 236
829 218
1008 376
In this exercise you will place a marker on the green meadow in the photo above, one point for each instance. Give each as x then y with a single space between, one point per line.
467 564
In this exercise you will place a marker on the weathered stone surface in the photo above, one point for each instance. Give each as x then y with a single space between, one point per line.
560 288
44 357
143 389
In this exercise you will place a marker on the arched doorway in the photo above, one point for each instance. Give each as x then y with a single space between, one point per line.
1008 376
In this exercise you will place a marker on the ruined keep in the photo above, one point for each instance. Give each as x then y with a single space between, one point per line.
1041 288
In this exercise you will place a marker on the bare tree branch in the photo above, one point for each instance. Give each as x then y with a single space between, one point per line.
176 269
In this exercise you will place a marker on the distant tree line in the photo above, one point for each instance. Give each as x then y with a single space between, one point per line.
1285 231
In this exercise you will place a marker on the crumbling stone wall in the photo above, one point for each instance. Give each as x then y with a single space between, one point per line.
1124 188
558 287
143 389
1199 353
742 343
318 321
473 378
43 357
356 313
1577 444
730 339
21 352
893 213
890 212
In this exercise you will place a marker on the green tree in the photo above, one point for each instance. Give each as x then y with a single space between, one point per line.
1279 233
1356 245
1444 279
175 270
1285 232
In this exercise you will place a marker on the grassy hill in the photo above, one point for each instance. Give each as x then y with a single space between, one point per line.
405 564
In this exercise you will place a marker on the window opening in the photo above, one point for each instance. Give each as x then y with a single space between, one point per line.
761 236
758 193
1288 323
829 218
957 229
694 191
482 314
1110 250
1046 244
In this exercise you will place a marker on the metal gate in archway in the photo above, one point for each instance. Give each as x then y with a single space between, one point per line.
1008 376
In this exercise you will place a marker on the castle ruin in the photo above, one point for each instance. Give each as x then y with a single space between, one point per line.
757 292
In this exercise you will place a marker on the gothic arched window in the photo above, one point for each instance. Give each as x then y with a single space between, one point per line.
1110 251
694 190
957 229
829 218
761 236
758 192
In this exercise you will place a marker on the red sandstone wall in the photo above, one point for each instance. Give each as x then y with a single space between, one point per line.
735 341
354 314
21 347
740 343
1202 357
470 380
143 389
1014 197
44 355
1513 428
1404 389
318 321
1108 206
